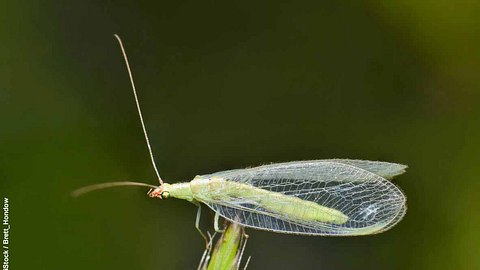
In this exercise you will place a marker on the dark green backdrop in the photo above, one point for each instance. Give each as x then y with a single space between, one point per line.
230 84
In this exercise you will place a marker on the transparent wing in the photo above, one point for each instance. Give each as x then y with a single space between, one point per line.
386 170
371 203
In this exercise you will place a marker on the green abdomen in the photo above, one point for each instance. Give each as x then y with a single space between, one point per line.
217 189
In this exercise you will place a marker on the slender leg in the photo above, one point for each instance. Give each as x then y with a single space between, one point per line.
246 264
243 244
215 224
197 224
206 254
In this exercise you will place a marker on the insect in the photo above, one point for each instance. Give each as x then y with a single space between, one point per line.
337 197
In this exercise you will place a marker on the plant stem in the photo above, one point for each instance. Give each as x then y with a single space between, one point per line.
228 249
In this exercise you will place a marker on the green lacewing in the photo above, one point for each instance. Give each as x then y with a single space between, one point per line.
338 197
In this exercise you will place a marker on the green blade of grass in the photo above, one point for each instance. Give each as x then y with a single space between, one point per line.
226 253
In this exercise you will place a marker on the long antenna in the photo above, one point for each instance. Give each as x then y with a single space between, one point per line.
87 189
138 109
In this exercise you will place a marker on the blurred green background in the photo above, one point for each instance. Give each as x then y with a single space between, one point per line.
230 84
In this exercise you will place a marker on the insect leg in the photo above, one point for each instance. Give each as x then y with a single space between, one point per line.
243 244
215 224
246 264
206 254
197 224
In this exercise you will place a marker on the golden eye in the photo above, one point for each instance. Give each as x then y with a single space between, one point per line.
165 195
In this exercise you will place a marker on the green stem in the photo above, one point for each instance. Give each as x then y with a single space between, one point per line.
228 249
